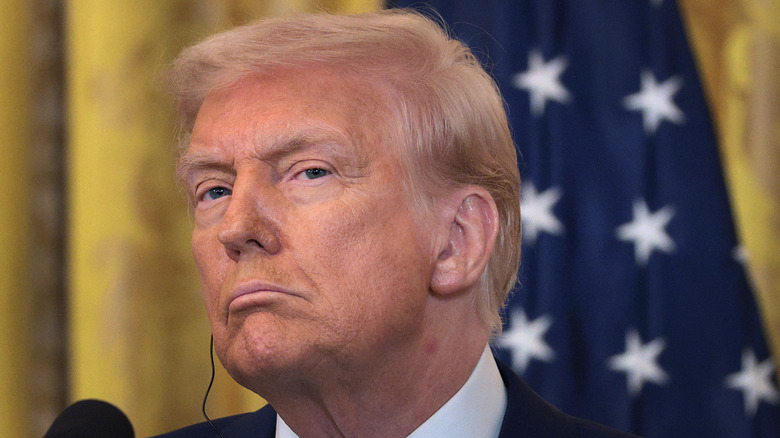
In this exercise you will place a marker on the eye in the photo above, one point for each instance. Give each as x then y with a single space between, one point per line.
313 173
216 193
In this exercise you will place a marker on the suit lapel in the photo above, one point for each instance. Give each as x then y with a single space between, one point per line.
259 424
527 415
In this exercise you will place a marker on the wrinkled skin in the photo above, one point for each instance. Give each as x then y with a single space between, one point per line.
341 265
317 269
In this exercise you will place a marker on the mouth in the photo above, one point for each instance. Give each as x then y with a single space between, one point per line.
254 294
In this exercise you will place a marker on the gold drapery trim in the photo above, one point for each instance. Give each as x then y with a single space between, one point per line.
737 47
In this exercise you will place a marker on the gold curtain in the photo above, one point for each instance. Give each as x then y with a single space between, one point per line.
15 306
32 362
137 334
737 46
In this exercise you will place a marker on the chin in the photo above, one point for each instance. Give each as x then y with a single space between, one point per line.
255 353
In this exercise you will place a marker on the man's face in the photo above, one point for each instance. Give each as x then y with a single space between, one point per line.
309 252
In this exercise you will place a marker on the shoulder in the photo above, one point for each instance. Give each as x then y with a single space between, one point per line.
528 415
259 424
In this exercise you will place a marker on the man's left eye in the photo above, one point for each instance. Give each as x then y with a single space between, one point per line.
314 173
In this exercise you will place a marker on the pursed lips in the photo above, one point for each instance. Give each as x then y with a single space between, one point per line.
248 292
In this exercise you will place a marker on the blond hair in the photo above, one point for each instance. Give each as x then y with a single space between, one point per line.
447 109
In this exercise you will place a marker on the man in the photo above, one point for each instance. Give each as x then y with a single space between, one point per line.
356 229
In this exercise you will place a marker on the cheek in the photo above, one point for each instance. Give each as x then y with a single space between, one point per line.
211 261
369 260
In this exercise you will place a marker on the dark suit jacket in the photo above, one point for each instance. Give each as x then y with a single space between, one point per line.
526 416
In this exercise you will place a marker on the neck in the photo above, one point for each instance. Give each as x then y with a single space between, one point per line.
388 394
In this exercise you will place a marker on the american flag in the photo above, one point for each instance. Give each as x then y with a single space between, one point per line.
634 309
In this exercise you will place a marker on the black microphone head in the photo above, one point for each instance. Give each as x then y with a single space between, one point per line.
91 419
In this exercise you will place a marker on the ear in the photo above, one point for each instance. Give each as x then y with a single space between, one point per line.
473 227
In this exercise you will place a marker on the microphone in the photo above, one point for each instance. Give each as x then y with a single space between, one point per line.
91 419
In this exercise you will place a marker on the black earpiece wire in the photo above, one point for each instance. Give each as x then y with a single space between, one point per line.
211 382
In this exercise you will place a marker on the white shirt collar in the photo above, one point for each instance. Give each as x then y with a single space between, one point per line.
477 409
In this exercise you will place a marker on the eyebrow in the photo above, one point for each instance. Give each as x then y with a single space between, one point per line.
299 141
284 145
191 163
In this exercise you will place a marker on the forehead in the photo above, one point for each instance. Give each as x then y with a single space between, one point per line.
321 105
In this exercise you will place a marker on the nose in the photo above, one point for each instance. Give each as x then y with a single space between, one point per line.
250 223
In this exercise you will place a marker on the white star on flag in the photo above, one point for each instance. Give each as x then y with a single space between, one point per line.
525 340
536 211
755 381
655 101
543 81
647 232
640 362
741 254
